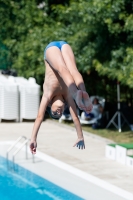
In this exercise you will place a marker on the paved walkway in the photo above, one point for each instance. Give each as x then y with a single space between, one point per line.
57 140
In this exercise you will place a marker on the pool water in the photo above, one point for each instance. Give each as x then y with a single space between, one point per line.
25 185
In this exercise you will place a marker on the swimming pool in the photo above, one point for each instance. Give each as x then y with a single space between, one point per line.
24 185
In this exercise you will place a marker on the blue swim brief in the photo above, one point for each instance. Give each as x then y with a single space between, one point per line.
58 44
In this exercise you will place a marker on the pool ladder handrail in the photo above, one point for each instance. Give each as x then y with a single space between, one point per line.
19 148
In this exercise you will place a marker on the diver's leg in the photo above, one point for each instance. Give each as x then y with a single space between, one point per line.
82 95
69 59
55 59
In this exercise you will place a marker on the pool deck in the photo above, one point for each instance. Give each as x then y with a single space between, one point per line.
56 140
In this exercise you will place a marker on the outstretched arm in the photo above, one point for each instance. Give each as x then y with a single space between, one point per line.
38 121
72 107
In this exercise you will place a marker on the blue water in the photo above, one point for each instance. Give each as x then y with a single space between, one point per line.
25 185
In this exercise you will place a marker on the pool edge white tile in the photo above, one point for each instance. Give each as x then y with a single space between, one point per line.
77 172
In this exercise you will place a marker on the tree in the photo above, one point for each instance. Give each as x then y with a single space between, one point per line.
26 29
101 35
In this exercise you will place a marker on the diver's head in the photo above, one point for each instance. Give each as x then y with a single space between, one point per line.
57 106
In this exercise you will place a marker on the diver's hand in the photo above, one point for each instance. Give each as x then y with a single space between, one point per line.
83 101
33 146
80 143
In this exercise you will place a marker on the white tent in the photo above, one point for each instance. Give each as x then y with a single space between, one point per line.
29 98
9 100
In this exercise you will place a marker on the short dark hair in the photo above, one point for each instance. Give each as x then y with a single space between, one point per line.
51 114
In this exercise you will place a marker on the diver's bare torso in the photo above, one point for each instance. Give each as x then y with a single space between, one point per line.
61 80
53 83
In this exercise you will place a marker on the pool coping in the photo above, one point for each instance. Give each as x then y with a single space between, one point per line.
87 133
81 174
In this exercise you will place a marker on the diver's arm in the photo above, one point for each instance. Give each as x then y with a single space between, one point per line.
73 111
38 121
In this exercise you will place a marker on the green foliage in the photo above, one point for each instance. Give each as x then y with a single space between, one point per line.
26 29
4 57
100 33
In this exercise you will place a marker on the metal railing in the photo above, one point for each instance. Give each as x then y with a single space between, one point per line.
24 143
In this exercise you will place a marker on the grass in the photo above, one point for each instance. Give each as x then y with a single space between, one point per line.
126 136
